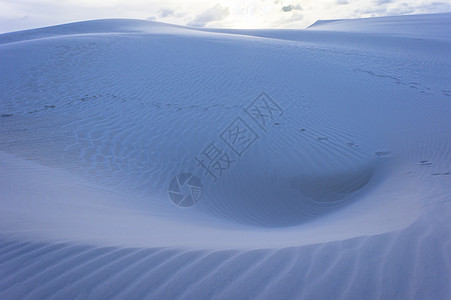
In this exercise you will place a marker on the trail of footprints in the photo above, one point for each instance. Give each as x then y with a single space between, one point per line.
348 144
427 163
383 154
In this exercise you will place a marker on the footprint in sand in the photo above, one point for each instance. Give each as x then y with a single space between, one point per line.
443 173
382 153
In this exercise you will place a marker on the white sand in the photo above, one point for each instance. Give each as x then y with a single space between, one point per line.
345 194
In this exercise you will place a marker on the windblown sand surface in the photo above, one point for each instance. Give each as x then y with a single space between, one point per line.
334 143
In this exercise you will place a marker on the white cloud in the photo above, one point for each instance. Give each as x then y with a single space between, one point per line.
381 2
166 12
291 7
216 13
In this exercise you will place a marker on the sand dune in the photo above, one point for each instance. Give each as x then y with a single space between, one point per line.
330 176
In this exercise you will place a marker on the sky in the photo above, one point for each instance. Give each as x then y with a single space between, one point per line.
25 14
